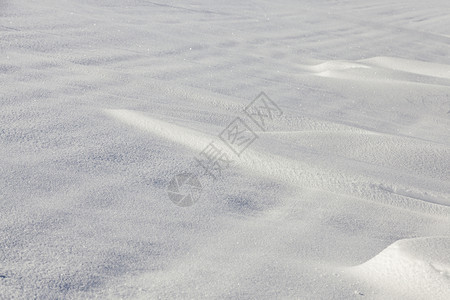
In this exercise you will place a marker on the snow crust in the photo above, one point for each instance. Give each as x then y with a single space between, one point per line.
346 195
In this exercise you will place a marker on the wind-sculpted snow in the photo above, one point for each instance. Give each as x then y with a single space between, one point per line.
410 268
105 106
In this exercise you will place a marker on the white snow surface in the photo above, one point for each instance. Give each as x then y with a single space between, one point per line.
345 196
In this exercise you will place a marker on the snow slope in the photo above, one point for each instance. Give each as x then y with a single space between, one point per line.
412 268
347 195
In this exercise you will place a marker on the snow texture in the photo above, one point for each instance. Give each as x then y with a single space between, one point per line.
345 195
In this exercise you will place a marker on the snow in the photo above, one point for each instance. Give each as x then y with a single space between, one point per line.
345 195
411 268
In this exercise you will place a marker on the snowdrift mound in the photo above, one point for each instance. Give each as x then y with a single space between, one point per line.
413 268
